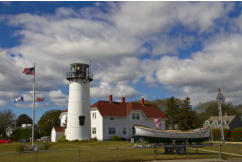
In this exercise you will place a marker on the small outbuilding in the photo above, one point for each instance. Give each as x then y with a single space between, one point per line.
56 133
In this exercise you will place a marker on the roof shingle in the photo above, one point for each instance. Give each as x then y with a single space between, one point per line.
120 109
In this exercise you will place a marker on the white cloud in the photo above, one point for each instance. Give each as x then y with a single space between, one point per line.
103 90
3 103
58 98
218 65
113 44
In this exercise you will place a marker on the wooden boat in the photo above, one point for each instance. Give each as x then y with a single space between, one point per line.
168 136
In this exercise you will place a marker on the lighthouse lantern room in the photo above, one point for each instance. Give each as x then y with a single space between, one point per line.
78 120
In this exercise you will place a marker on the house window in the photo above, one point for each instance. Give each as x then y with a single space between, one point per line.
94 131
94 115
207 122
111 130
124 131
133 116
81 120
137 116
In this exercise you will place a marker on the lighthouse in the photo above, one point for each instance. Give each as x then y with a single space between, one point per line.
78 118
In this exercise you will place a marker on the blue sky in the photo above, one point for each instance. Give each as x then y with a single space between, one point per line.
135 49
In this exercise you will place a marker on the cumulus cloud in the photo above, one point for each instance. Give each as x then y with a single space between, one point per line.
217 65
113 43
58 98
105 89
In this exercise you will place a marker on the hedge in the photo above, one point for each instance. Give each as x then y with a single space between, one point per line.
236 134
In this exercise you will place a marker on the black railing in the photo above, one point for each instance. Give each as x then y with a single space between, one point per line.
71 75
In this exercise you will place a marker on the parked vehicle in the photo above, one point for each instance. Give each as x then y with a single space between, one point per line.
23 140
45 139
5 141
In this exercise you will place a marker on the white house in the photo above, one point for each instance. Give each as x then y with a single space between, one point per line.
110 118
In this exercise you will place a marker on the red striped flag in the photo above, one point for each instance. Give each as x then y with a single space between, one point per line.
40 99
29 71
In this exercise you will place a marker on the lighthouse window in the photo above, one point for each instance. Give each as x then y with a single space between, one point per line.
81 120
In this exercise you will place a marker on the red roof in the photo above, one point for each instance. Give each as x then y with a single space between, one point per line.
60 129
120 109
66 110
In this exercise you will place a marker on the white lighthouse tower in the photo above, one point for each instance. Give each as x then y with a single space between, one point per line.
78 119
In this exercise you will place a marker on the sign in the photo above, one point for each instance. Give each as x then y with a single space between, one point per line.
220 98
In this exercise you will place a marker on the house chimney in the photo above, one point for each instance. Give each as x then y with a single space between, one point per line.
110 98
142 101
123 99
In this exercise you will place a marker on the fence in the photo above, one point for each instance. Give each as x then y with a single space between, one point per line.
229 151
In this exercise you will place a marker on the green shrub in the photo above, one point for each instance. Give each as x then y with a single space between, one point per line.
45 146
216 133
22 148
62 139
115 138
236 134
93 140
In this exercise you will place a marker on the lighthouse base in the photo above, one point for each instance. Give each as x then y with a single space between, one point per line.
77 134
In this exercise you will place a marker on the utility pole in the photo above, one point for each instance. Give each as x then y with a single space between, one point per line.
220 99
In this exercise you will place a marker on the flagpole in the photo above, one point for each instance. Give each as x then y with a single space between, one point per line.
33 110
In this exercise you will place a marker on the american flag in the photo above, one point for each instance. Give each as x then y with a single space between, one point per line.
29 71
156 120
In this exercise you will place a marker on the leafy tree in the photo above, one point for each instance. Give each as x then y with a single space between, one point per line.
6 120
186 117
172 111
47 121
23 119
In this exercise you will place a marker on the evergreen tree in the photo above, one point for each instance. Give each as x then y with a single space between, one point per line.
172 111
186 117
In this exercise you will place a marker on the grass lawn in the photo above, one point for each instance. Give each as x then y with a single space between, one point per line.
96 151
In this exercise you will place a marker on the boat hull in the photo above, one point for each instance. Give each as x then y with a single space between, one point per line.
163 136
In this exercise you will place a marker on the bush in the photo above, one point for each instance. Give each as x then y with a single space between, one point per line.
236 134
115 138
93 140
62 139
45 146
22 148
216 133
